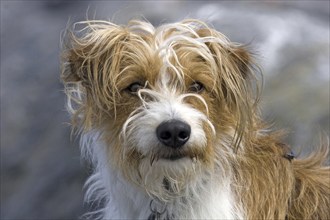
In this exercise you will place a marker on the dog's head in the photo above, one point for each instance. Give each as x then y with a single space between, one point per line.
169 102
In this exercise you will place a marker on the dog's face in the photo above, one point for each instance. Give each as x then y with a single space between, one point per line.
169 102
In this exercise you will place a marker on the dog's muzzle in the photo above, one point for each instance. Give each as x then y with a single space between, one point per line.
173 133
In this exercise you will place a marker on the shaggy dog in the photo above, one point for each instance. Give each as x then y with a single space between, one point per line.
169 119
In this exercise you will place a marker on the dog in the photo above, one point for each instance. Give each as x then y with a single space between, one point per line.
169 118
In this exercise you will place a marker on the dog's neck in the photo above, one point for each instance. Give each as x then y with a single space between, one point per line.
212 197
126 200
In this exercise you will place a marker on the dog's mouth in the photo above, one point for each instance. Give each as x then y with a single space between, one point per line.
173 157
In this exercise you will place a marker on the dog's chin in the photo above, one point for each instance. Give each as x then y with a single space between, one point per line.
168 176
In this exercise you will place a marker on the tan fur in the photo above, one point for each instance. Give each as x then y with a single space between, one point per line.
106 59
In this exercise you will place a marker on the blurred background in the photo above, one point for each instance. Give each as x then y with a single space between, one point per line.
41 173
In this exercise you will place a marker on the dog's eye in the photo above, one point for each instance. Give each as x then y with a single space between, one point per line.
134 87
196 87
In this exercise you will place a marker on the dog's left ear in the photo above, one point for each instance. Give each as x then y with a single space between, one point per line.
236 84
228 56
235 73
242 58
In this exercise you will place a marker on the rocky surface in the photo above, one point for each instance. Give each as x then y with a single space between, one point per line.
41 172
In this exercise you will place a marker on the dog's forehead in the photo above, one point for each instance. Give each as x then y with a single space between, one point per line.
168 54
172 54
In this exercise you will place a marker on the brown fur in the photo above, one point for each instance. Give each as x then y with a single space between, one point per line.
108 58
275 188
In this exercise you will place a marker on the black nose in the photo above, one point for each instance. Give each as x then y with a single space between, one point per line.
173 133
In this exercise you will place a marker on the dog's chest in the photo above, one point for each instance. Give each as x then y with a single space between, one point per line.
134 204
220 209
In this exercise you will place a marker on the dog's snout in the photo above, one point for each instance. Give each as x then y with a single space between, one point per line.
173 133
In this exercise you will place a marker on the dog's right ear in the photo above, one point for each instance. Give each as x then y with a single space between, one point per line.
89 50
74 59
71 67
72 71
90 63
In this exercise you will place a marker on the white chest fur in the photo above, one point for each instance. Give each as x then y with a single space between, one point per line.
126 201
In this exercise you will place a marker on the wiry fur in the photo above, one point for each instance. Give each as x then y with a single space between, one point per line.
232 166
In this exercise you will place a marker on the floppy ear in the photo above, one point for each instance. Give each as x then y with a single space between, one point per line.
240 56
234 62
236 80
88 51
88 69
72 66
235 72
